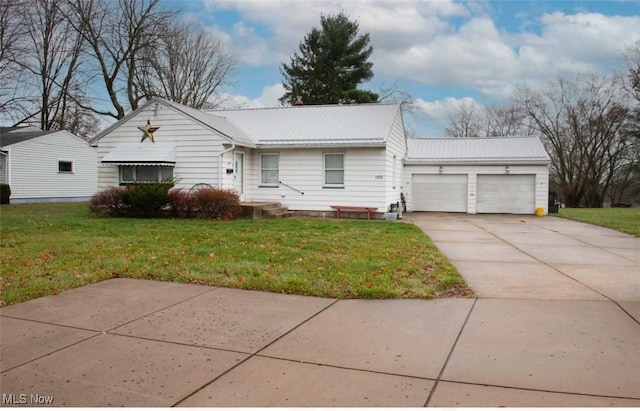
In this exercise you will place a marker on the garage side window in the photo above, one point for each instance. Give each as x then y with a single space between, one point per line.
334 170
269 174
145 174
65 166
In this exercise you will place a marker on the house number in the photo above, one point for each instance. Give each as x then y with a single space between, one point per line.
379 178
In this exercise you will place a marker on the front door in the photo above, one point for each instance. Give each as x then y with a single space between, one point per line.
238 174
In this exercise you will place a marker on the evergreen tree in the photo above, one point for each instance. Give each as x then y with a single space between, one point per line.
331 63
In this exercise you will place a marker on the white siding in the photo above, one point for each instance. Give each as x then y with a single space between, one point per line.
198 147
541 173
34 175
303 170
396 146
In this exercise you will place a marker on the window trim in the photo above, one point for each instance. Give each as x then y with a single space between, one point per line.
277 170
159 179
325 169
395 173
70 162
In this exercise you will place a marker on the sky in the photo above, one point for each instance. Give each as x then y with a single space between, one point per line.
440 52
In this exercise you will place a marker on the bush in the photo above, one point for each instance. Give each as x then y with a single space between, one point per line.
108 203
146 200
180 203
215 203
157 200
5 193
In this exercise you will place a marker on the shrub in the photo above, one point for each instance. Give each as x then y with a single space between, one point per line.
146 200
108 202
180 203
5 193
215 203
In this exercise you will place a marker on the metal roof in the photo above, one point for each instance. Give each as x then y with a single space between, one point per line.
141 155
476 150
214 121
358 124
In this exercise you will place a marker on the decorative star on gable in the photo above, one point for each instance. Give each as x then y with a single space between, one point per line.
147 132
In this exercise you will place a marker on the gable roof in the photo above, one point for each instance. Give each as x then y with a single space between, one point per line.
358 124
476 150
13 135
211 121
326 125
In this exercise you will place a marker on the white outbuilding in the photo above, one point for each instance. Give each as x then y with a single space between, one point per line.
476 175
46 166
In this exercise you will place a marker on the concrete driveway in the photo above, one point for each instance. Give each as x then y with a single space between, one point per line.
528 257
126 342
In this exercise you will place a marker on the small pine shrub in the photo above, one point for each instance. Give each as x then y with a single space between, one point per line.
108 203
215 203
146 200
5 193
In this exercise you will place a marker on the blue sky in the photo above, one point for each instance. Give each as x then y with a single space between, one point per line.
441 52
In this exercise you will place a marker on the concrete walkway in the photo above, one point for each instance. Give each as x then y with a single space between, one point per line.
148 343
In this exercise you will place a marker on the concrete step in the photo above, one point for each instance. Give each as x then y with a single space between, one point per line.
276 212
265 210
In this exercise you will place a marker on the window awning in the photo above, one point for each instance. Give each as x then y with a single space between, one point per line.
141 156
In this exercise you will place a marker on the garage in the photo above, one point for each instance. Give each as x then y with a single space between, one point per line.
476 175
508 193
438 192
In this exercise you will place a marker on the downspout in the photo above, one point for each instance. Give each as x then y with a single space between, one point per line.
233 147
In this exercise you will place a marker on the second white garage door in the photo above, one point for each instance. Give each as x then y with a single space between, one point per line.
506 194
439 192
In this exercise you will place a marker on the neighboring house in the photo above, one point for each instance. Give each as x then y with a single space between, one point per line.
305 157
311 157
477 175
46 166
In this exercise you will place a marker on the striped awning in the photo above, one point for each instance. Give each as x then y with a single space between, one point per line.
142 155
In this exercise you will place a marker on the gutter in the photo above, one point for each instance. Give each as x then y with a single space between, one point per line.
230 149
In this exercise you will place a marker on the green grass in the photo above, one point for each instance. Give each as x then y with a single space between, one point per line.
626 220
47 248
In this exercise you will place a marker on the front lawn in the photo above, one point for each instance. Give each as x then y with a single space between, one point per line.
47 248
626 220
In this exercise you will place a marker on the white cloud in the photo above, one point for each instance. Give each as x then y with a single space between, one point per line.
268 98
440 43
439 110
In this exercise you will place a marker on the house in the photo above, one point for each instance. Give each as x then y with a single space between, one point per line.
305 157
477 175
312 157
46 166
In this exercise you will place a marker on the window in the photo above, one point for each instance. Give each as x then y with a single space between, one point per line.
65 166
269 170
145 174
333 170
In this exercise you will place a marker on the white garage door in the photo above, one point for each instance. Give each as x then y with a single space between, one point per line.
506 194
439 192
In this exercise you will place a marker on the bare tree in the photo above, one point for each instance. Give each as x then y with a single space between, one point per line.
118 33
506 121
188 65
581 122
51 56
12 96
465 121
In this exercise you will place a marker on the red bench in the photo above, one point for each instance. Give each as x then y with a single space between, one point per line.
340 208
